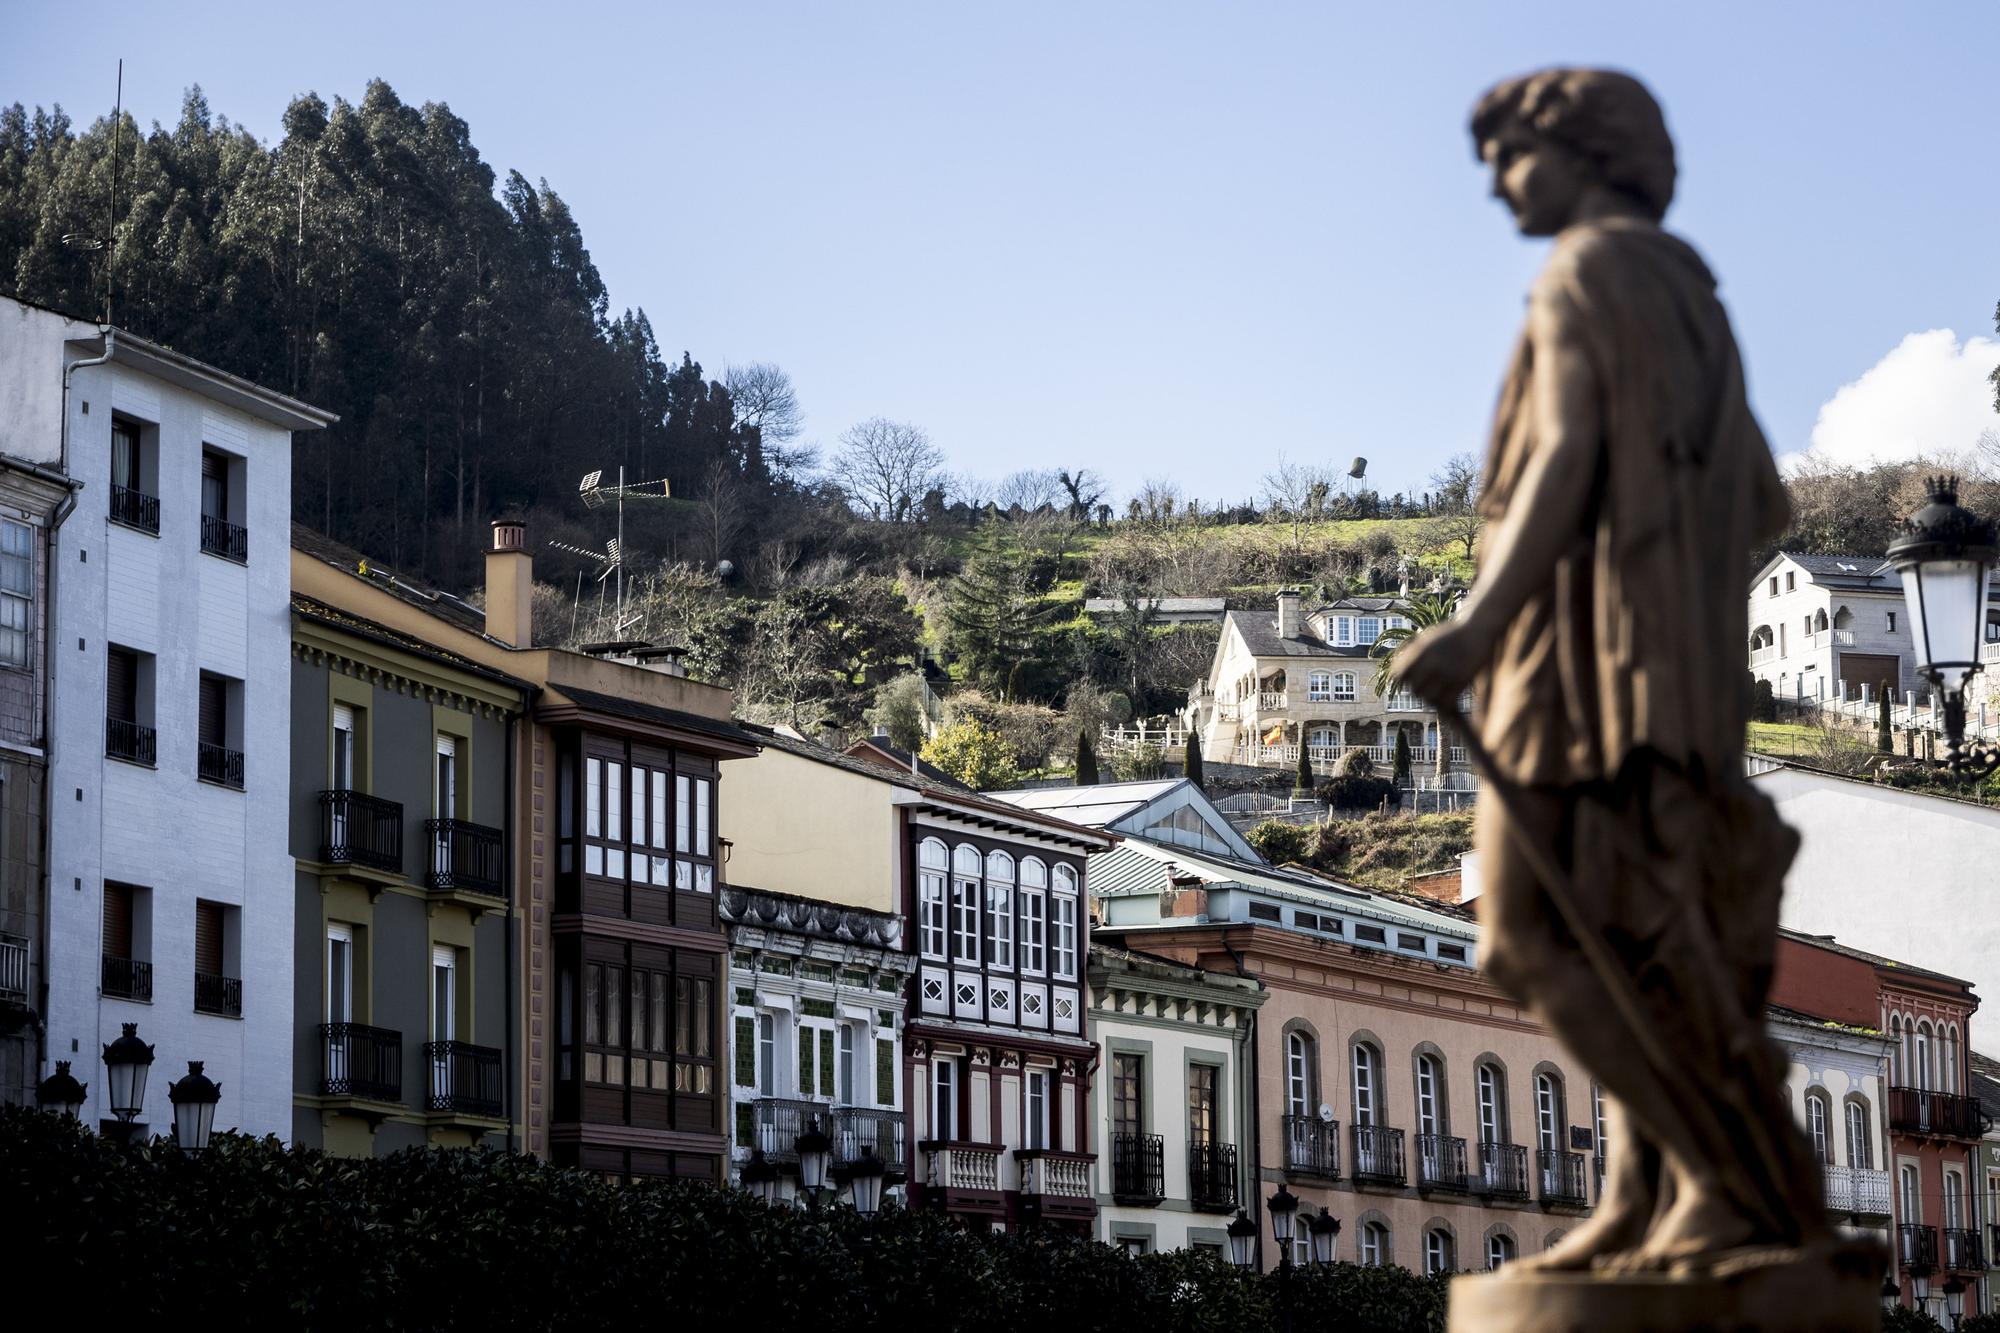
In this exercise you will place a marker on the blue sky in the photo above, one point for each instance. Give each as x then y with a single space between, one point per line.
1165 240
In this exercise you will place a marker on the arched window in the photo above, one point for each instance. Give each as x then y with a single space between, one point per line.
1301 1075
1319 686
1437 1251
1948 1060
932 861
1913 1211
1490 1083
1323 738
965 906
1499 1250
1430 1096
1549 1116
1367 1084
1818 1118
1922 1057
1000 910
1343 686
1819 621
1860 1147
1898 1057
1375 1251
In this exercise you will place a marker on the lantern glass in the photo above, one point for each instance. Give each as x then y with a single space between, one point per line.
1284 1207
1892 1295
127 1062
1324 1230
1954 1297
1242 1235
192 1123
867 1187
1920 1287
815 1149
1947 618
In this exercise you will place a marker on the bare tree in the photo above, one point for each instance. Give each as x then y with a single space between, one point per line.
1157 501
1030 489
1455 486
723 515
886 466
1086 491
1290 492
763 396
966 489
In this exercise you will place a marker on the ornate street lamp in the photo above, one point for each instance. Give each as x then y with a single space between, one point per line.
1283 1207
1920 1290
194 1099
1892 1295
126 1064
1945 555
864 1180
61 1092
1325 1228
1242 1237
1954 1299
815 1149
760 1177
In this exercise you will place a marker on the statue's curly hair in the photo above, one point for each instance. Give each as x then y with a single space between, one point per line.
1606 118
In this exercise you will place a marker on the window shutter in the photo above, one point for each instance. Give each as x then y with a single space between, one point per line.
214 710
122 686
208 938
117 921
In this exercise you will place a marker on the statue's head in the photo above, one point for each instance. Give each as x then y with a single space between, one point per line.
1553 135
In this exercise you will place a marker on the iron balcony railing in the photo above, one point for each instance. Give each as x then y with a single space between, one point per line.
1857 1190
1378 1155
361 1061
1441 1163
463 1078
135 509
1561 1176
1138 1168
14 968
1916 1247
778 1122
1503 1171
464 856
221 537
1935 1114
1961 1250
128 740
359 829
218 995
214 763
858 1128
1212 1177
1312 1146
126 978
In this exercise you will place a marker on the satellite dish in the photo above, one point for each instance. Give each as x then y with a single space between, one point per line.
1326 1112
1357 468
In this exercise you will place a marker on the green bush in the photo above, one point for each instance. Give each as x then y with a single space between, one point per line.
256 1235
974 753
1279 842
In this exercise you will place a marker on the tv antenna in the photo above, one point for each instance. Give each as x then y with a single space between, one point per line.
594 493
106 243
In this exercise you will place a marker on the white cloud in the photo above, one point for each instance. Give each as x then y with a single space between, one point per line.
1929 396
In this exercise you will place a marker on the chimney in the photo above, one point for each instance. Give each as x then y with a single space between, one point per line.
1288 614
510 582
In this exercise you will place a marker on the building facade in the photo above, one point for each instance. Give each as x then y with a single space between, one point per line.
169 633
815 1033
1279 681
997 1065
1171 1102
407 1028
615 805
1836 1082
1823 621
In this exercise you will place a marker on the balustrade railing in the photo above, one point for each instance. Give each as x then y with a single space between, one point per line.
1138 1168
1049 1174
1378 1155
1857 1190
952 1165
14 968
1312 1146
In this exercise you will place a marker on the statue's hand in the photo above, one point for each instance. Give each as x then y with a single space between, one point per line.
1439 663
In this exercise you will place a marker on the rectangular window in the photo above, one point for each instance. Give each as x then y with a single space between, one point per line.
344 748
931 915
1343 687
17 565
339 973
702 792
1264 912
1000 922
1774 585
1036 1128
593 815
683 811
214 485
212 711
638 820
132 501
1343 631
1319 686
885 1071
119 936
843 1087
1065 941
446 794
121 685
221 532
1371 934
1033 929
944 1099
208 921
1202 1080
1368 630
614 818
1128 1094
965 921
767 1054
1892 622
693 1053
444 993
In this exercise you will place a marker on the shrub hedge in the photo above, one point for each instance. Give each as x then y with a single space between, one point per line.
255 1234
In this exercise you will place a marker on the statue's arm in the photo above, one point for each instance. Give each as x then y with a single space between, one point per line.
1544 516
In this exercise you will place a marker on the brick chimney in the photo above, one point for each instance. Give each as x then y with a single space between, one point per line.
510 582
1288 614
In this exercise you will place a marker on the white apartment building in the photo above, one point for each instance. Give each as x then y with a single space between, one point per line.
170 902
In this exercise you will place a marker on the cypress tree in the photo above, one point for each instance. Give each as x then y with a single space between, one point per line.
1191 766
1304 780
1086 761
1400 773
1884 740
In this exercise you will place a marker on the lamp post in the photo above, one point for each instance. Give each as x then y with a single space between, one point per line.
760 1177
1325 1229
1920 1291
864 1182
126 1064
1242 1239
815 1149
1892 1295
61 1092
1284 1207
194 1099
1954 1299
1944 557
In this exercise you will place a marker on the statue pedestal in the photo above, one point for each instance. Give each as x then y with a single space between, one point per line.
1832 1289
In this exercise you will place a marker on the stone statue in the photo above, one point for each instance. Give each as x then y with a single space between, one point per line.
1631 873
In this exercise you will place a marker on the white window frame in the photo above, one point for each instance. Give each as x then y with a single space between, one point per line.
1816 1126
1437 1252
1063 960
1499 1250
944 1098
965 891
1345 687
444 1027
1000 911
17 618
1548 1114
1035 1108
844 1062
1366 1085
1343 631
933 862
1911 1188
1034 932
1375 1247
1298 1074
1491 1097
1429 1119
1367 630
339 933
1860 1152
1319 686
